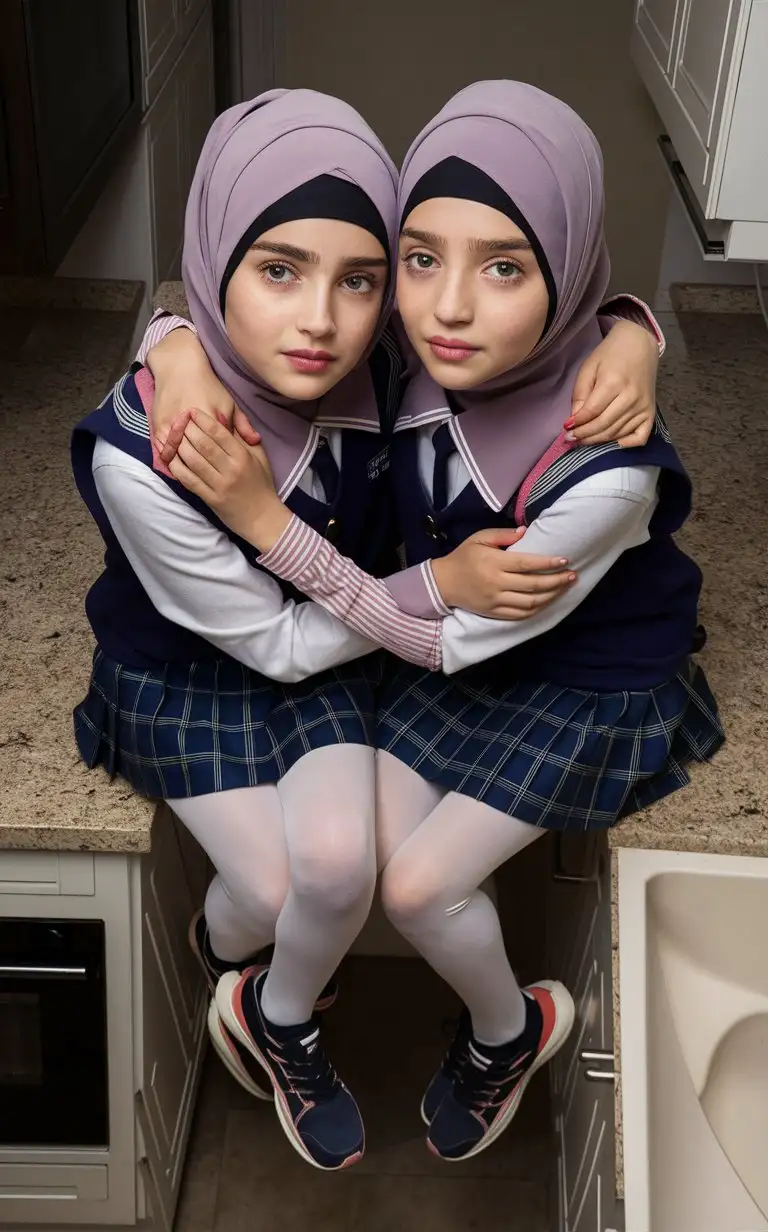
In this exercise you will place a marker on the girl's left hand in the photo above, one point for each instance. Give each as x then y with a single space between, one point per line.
614 398
234 480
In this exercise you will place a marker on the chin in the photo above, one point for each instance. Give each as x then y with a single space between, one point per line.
305 388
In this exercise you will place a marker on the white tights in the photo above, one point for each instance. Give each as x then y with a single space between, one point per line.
295 863
436 849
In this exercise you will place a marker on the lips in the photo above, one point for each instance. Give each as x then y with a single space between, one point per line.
452 350
310 361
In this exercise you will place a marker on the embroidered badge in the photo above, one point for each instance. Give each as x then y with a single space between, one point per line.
379 464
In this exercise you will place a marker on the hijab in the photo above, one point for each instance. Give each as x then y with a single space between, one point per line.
285 155
525 153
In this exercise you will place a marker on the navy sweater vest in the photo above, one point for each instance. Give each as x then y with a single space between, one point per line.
636 628
126 624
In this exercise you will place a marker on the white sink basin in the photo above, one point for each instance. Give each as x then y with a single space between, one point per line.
693 933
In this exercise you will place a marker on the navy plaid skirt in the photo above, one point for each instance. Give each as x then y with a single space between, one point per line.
560 758
196 728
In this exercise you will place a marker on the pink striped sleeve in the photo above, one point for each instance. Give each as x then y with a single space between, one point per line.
624 307
160 326
317 569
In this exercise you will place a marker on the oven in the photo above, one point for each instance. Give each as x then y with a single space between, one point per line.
53 1034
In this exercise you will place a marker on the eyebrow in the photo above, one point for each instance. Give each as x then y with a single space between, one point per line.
313 258
512 244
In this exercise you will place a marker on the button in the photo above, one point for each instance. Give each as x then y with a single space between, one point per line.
333 530
432 529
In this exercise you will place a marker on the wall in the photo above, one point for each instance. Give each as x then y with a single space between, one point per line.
397 62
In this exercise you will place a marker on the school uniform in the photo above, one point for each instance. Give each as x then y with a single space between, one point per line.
208 673
564 721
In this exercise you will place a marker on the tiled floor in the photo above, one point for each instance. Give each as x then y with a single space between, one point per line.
385 1037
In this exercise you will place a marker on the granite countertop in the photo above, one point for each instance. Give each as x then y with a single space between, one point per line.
62 343
57 357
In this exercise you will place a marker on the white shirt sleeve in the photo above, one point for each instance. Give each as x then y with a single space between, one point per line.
591 525
198 578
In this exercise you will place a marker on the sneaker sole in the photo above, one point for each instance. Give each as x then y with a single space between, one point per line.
229 1013
321 1005
227 1054
565 1012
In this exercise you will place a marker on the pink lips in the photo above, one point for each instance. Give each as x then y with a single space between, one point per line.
310 361
452 350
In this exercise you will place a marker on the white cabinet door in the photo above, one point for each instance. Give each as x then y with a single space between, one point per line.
174 1003
703 61
658 24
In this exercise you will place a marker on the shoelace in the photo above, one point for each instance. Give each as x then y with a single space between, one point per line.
475 1087
457 1053
311 1074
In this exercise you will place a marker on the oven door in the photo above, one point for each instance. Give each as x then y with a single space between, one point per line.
53 1034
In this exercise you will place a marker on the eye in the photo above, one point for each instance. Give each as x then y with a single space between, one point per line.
277 273
504 271
419 262
359 283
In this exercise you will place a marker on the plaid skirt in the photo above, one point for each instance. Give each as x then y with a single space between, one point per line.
196 728
560 758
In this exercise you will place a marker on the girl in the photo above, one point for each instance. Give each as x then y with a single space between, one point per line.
214 688
591 708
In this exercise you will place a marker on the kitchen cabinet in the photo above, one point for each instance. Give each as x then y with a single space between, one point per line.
579 954
703 63
156 1006
165 28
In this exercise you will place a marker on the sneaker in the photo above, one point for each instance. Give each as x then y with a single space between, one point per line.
214 967
444 1079
243 1067
490 1081
319 1116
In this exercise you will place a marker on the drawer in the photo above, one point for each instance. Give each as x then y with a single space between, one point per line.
46 872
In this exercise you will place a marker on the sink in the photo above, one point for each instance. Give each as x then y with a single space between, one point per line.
694 1041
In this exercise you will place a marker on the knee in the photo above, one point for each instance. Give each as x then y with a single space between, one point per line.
259 901
337 872
408 893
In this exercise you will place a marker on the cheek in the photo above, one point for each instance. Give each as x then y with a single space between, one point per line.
518 326
250 318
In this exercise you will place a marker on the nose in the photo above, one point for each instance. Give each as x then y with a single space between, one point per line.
454 300
316 318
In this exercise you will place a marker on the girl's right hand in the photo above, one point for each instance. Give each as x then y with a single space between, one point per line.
184 380
479 576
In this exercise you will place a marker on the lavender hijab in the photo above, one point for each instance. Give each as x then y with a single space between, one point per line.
254 154
546 160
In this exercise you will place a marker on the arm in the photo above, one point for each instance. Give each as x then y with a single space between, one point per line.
594 522
184 379
614 396
198 578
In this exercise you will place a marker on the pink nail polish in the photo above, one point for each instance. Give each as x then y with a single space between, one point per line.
569 423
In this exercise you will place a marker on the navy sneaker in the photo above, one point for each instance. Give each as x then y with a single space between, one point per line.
491 1081
448 1072
214 967
319 1116
243 1067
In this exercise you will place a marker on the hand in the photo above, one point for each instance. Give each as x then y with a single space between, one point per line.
233 478
479 577
184 379
614 398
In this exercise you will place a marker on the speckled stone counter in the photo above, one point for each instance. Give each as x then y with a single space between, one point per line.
714 389
60 348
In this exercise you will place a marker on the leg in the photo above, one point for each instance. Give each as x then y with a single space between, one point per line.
430 892
328 806
243 834
403 800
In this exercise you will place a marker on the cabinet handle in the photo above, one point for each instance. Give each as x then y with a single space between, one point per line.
43 973
589 1054
600 1075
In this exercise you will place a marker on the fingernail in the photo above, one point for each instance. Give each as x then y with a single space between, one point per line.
571 577
562 560
570 436
569 422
